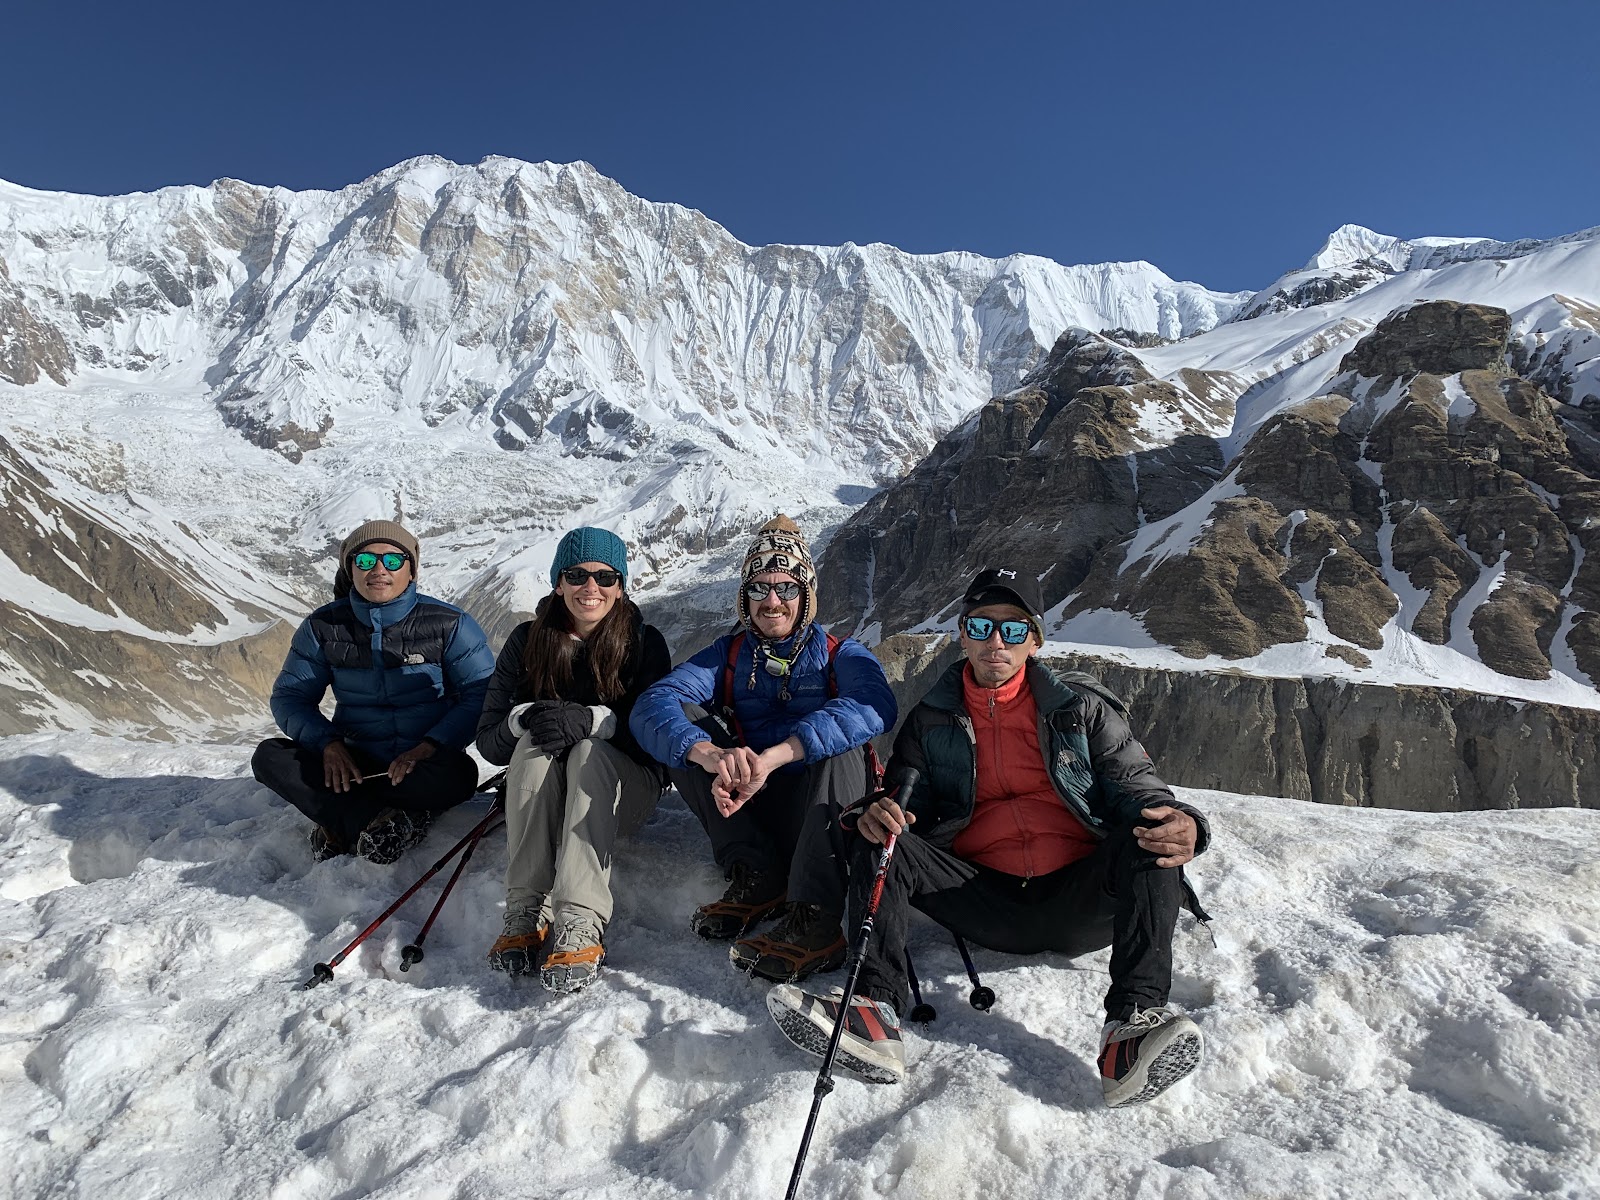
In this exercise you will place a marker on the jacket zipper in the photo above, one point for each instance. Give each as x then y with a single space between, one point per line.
1022 834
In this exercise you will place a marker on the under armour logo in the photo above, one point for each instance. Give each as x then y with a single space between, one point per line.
1006 574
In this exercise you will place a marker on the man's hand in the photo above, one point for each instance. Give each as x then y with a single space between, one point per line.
1172 833
729 767
883 817
339 770
403 763
739 772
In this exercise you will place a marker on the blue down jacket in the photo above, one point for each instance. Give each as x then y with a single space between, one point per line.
411 668
863 708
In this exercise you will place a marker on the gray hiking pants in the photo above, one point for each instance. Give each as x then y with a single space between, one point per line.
563 818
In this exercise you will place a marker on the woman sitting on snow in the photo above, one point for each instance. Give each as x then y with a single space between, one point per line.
557 712
408 674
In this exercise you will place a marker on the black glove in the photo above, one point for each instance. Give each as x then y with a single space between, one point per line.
556 727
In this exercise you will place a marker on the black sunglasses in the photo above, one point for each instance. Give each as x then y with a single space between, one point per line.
783 591
1012 633
392 560
577 577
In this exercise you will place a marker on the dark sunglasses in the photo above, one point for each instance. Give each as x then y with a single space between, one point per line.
783 591
1012 633
577 577
392 560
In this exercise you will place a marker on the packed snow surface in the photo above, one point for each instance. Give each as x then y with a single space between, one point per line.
1398 1005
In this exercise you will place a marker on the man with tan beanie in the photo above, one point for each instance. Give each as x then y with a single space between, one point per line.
408 674
764 733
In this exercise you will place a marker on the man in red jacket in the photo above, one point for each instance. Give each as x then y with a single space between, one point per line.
1038 824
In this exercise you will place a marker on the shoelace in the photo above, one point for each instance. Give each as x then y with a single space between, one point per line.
577 934
1147 1018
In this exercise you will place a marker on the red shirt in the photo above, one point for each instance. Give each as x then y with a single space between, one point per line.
1020 825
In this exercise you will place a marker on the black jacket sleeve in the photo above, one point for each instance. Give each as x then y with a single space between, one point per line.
1125 772
495 740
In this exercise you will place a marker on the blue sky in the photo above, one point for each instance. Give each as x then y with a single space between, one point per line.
1221 142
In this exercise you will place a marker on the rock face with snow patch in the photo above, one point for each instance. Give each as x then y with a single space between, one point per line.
1049 473
1425 475
106 622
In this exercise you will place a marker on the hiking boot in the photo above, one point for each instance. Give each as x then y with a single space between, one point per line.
516 950
326 844
751 895
870 1046
1146 1054
808 939
391 833
575 956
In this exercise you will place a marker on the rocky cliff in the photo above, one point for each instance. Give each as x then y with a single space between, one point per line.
1428 493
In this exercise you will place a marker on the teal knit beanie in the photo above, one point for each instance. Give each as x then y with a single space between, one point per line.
587 544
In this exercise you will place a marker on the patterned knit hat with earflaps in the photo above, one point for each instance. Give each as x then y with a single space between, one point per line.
780 546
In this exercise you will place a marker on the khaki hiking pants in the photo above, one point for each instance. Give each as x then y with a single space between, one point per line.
563 818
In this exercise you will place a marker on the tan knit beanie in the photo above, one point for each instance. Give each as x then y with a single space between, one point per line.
780 546
381 531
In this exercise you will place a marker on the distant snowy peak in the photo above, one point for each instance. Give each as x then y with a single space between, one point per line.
1351 245
538 302
1355 258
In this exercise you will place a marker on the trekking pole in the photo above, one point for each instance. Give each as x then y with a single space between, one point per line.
858 955
413 953
923 1014
323 972
982 998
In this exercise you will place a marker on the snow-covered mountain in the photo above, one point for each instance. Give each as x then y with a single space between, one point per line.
497 352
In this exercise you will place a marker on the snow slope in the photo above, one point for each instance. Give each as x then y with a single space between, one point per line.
1398 1005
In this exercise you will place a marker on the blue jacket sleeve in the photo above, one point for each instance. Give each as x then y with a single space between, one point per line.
468 664
298 691
658 723
863 709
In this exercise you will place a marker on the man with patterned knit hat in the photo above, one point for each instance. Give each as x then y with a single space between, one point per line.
764 733
1037 823
408 674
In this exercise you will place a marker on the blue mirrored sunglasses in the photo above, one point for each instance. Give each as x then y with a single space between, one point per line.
393 560
1012 633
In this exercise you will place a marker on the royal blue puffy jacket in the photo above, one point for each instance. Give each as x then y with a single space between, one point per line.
408 669
863 708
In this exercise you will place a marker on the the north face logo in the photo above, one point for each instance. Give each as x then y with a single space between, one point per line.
414 660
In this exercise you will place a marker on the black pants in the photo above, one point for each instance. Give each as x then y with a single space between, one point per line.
295 773
790 828
1115 897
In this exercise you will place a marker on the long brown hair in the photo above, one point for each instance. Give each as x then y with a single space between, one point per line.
552 646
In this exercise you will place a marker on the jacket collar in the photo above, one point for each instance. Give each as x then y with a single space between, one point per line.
387 613
1050 691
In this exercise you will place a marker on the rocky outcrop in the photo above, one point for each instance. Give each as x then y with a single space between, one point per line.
1439 337
1425 476
30 348
1053 472
72 552
65 676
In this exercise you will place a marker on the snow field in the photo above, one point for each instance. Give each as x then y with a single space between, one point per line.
1398 1004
